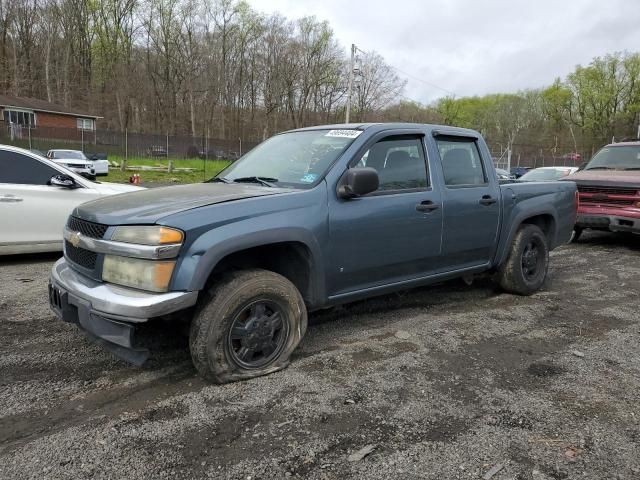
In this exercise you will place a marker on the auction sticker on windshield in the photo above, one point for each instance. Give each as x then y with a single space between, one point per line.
309 178
343 133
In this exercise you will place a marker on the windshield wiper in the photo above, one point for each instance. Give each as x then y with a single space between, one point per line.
218 179
600 168
266 181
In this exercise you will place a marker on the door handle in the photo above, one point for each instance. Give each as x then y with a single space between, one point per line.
9 199
487 200
427 206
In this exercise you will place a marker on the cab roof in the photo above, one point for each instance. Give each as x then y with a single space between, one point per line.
624 144
379 127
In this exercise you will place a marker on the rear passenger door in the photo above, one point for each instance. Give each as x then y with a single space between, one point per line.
394 233
471 200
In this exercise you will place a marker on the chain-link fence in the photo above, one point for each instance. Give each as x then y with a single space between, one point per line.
502 159
527 156
128 145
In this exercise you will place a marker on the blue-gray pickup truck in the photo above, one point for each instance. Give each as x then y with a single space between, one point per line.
308 219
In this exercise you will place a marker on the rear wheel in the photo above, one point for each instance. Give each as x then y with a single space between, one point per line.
247 325
525 269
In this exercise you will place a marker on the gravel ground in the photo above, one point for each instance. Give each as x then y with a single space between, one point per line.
443 382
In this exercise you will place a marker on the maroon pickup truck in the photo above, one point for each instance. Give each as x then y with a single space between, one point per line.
609 190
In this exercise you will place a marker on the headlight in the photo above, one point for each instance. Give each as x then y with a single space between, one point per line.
147 235
151 275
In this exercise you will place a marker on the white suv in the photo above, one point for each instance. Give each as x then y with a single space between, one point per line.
74 160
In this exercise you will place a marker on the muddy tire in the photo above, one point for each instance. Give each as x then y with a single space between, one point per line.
246 325
525 269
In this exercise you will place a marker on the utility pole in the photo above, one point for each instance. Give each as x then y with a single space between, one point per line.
123 166
351 67
170 166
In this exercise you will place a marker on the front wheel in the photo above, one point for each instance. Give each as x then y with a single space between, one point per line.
247 325
525 269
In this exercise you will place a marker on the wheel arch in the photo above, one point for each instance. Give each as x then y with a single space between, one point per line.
292 253
544 219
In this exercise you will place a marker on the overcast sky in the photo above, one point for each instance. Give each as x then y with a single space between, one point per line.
473 47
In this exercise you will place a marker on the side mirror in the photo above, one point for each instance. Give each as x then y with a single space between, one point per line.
63 180
358 181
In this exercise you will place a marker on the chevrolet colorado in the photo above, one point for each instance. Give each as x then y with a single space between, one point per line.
309 219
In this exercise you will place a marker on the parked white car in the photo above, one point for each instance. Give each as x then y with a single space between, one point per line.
74 160
547 174
36 197
504 175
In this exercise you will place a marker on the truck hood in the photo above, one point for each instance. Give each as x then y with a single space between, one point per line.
149 206
609 178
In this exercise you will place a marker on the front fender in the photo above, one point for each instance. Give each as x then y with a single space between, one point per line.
209 250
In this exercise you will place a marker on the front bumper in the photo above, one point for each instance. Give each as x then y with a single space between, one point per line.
613 223
85 172
108 313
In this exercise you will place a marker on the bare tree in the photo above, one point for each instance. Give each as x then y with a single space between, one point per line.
377 86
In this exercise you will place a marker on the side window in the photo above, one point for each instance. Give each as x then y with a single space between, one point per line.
21 169
461 162
399 161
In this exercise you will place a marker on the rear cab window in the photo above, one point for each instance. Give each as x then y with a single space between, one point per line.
461 162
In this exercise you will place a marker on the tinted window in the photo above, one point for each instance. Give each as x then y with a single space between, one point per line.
399 161
461 162
18 168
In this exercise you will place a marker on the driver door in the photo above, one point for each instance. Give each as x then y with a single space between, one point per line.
33 212
391 235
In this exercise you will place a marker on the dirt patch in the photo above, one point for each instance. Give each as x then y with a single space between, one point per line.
543 369
444 382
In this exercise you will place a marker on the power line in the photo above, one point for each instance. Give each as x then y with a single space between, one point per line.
431 84
423 81
352 70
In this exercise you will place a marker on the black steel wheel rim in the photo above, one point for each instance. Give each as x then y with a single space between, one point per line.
257 335
532 259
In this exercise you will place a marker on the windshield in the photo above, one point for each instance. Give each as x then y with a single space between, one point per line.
618 158
546 174
296 159
68 154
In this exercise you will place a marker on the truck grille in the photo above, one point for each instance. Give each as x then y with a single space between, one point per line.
608 196
607 201
80 256
90 229
608 190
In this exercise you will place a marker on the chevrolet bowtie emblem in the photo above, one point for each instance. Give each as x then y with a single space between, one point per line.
74 239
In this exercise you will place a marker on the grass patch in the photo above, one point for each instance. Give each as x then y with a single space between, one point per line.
202 170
